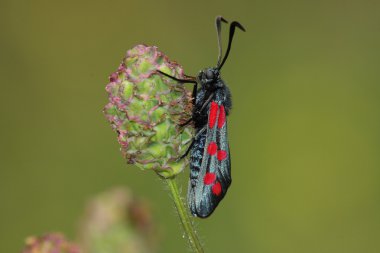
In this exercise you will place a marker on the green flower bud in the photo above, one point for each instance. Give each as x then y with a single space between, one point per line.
145 108
53 242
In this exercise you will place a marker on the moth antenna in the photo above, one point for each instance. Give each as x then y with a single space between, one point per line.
233 25
218 23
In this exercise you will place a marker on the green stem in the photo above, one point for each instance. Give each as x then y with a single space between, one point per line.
184 216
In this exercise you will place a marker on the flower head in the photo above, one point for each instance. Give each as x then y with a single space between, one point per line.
146 108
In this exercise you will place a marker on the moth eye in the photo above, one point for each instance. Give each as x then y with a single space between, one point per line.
210 74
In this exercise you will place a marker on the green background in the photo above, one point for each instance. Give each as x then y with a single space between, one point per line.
304 131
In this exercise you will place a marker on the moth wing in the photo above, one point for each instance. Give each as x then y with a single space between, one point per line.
214 177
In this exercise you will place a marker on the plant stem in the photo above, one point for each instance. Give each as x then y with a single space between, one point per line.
184 216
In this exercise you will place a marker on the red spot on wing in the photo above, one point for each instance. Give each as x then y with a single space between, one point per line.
212 147
222 117
212 115
221 155
216 189
209 178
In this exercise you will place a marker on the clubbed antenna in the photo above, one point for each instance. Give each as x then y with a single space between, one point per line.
218 23
233 25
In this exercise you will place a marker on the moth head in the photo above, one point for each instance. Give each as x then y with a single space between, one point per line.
208 77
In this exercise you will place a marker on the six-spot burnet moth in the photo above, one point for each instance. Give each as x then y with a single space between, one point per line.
210 160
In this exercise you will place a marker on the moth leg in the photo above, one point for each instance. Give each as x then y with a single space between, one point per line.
186 123
200 132
192 80
187 151
199 111
192 143
194 96
206 103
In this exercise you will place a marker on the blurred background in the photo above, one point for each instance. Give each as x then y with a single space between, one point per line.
304 131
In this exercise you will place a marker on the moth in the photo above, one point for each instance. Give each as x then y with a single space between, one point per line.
210 159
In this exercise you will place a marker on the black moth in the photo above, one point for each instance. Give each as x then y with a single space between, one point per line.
210 161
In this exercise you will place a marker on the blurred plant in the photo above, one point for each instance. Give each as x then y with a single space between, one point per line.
116 222
49 243
145 109
113 222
